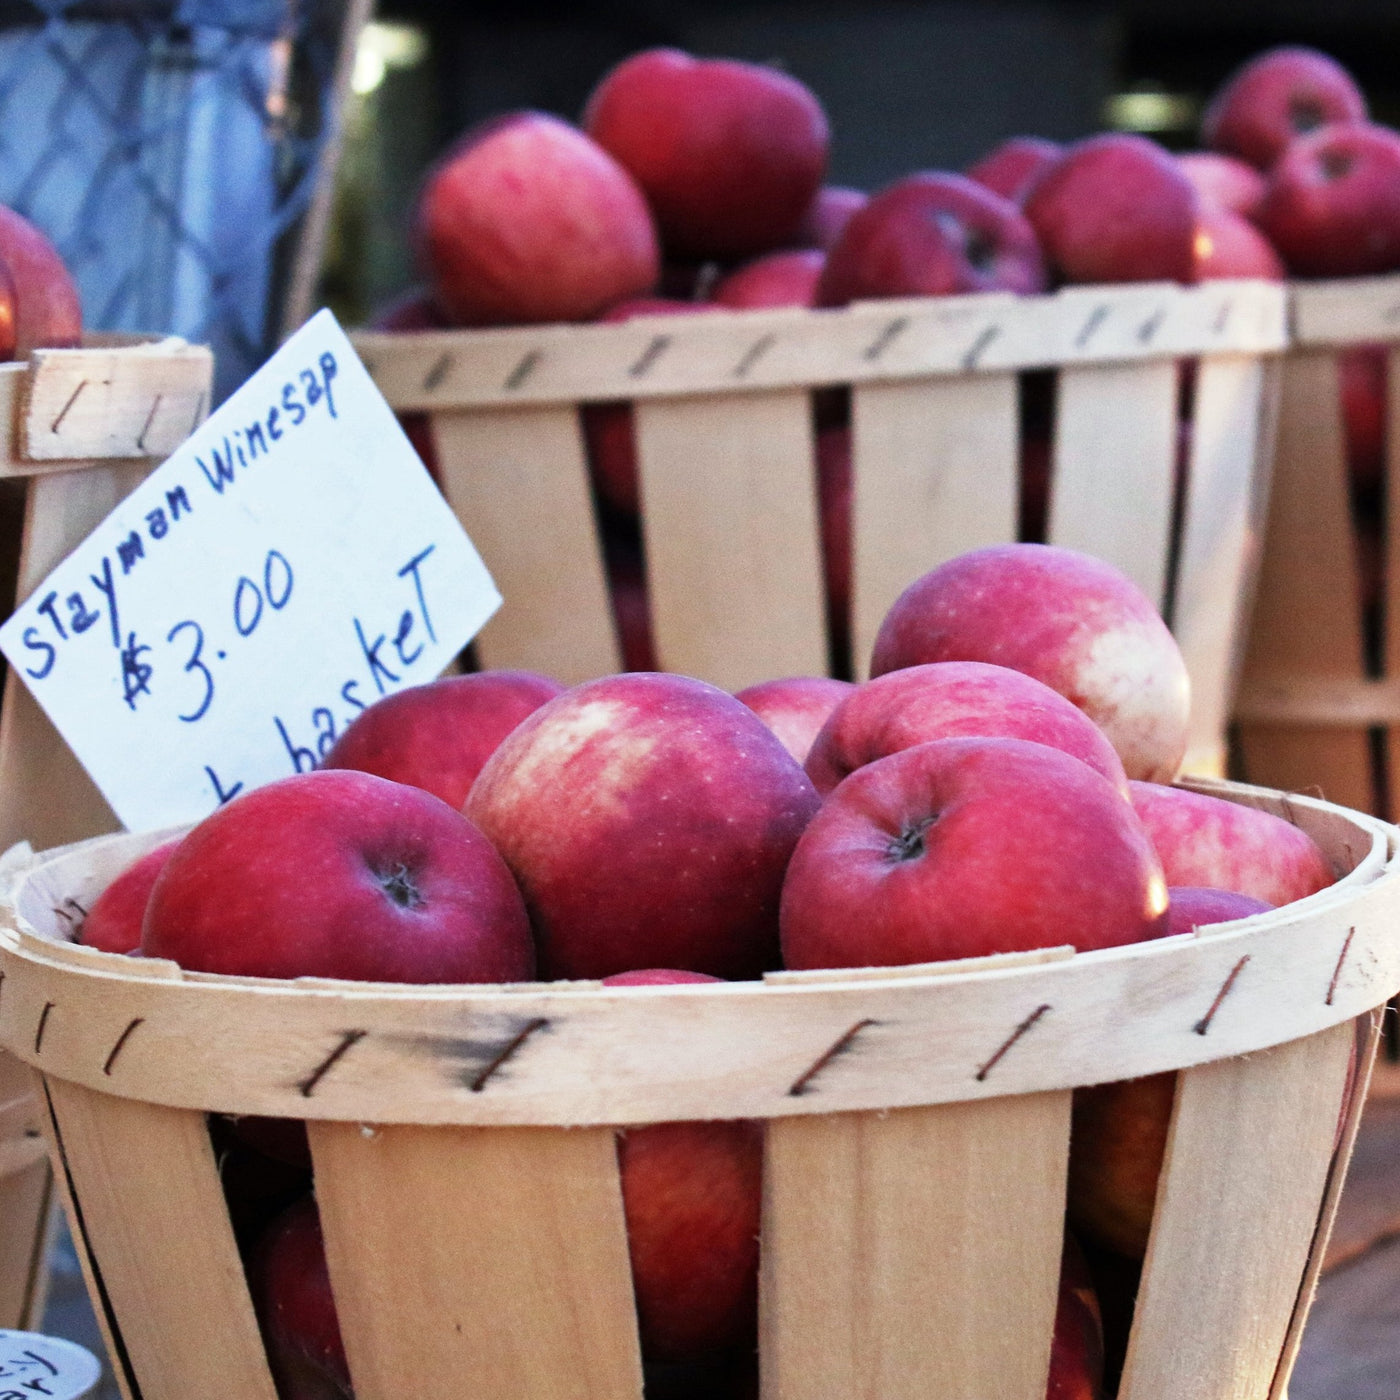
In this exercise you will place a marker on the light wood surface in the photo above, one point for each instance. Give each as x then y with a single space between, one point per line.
733 550
934 474
914 1253
1349 311
467 1261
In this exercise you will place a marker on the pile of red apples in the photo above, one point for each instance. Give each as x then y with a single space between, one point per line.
1001 783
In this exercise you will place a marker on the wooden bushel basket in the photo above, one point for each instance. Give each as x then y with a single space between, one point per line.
724 436
1310 709
917 1127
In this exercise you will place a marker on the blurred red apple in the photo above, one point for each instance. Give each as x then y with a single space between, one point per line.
1277 96
437 736
932 235
795 708
730 155
339 874
113 924
1071 621
953 700
1011 168
1115 208
528 220
1332 208
47 310
828 214
1222 182
1363 371
1227 246
649 819
627 586
1206 842
964 847
9 331
1076 1345
778 279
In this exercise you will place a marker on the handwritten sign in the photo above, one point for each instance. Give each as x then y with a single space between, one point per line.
33 1365
290 564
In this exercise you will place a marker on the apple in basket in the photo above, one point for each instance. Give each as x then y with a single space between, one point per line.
1013 167
777 279
1071 621
828 214
113 924
46 309
796 707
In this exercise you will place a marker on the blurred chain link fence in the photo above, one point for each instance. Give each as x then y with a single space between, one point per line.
179 154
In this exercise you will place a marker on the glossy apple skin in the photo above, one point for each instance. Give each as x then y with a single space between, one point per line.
1119 1138
113 924
1011 168
1332 208
692 1194
291 1287
953 700
1076 1345
777 279
964 847
527 220
730 155
1276 97
1205 842
648 819
339 874
1222 182
1071 621
932 235
438 736
1228 246
796 707
828 214
47 310
1115 208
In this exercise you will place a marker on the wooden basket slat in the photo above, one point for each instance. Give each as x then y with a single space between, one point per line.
1251 1143
935 472
518 481
1112 482
729 518
490 1263
914 1253
1349 311
1390 568
26 1196
1307 612
1222 517
153 1211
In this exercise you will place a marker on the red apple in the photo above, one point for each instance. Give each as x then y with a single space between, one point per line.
834 488
692 1194
649 819
1332 208
777 279
1076 1345
339 874
9 331
828 214
1363 370
1120 1130
964 847
528 220
1115 208
1230 246
1071 621
437 736
1277 96
47 310
1011 168
796 707
1222 182
730 155
113 923
932 235
1206 842
953 700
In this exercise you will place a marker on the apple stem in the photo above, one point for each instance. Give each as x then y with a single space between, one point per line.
909 844
399 885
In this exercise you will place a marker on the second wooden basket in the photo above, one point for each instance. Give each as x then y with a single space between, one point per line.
917 1127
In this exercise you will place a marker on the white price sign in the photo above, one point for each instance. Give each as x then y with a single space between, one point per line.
290 564
33 1366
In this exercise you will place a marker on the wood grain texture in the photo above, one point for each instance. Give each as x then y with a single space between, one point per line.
1306 620
154 1218
754 351
935 473
914 1253
729 519
490 1263
518 482
1242 1185
1111 486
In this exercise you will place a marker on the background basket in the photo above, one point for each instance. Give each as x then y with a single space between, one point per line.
725 441
468 1182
